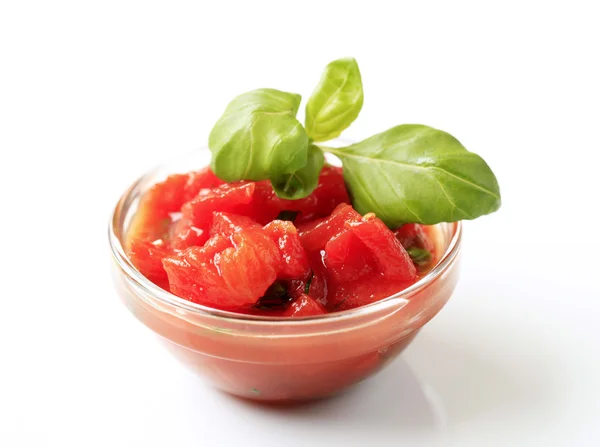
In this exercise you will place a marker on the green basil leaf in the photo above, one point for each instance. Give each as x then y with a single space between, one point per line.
414 173
336 102
258 137
302 182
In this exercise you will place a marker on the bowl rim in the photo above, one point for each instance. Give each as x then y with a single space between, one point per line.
127 268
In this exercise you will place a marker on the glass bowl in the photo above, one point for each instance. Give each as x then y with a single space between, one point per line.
271 358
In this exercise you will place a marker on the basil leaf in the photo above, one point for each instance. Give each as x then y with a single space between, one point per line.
301 183
258 137
414 173
336 102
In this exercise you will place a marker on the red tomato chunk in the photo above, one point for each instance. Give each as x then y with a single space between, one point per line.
292 257
239 247
304 306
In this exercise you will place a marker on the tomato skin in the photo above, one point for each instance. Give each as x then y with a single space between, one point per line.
293 258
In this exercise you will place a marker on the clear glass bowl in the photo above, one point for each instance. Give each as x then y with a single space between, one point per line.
270 358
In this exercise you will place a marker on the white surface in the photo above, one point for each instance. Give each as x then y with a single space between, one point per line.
91 95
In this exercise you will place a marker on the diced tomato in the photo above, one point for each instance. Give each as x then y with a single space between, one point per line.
347 257
167 197
226 198
317 280
318 286
227 224
329 193
296 287
227 249
414 235
365 291
293 259
315 235
304 306
182 267
392 259
204 178
264 206
184 234
227 272
147 257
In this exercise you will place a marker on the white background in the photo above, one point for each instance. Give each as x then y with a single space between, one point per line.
94 93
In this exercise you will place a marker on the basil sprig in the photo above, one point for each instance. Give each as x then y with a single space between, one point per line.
409 173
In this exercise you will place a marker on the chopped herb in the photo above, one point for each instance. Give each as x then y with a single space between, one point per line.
275 298
308 283
419 256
